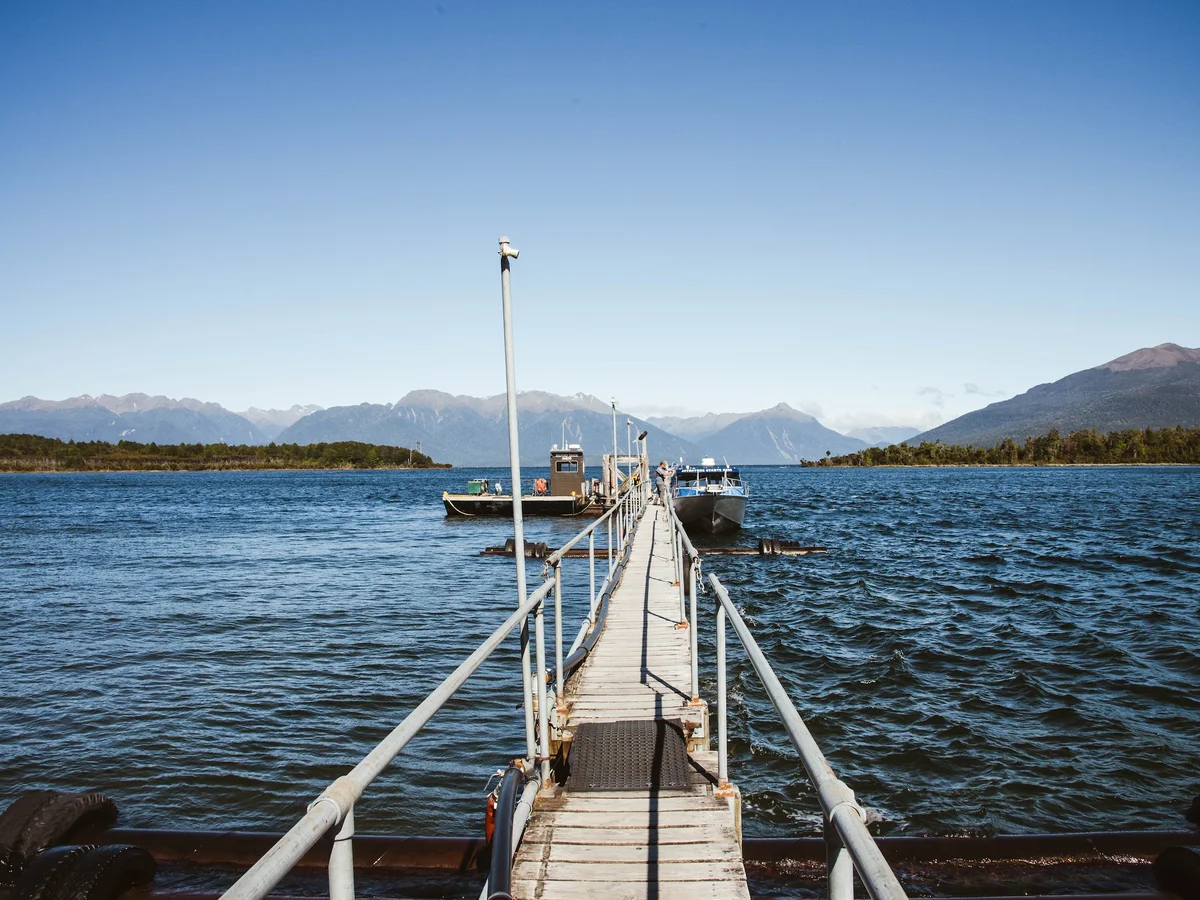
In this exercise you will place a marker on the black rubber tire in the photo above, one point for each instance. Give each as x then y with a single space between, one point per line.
56 819
1177 869
46 871
12 821
103 873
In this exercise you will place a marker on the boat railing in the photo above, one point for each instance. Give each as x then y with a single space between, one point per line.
335 805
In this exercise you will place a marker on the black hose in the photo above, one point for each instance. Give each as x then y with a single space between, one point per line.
500 877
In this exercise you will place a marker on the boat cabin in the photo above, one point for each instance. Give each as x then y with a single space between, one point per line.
707 478
567 477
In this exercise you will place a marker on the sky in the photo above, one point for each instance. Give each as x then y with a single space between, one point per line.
879 213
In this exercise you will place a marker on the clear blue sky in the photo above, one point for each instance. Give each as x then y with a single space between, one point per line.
879 212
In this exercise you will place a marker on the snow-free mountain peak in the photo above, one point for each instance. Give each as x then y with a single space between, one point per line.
1164 356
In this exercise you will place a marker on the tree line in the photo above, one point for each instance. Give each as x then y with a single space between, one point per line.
1165 445
32 453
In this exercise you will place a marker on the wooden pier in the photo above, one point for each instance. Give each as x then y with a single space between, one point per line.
644 843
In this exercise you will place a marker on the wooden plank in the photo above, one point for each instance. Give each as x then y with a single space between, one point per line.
690 834
605 872
643 853
682 890
665 819
603 802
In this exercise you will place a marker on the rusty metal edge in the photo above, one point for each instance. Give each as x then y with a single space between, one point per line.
468 854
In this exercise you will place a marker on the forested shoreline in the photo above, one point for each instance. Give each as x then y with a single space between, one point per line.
1177 446
32 453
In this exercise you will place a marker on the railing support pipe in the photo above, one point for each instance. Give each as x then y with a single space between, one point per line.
542 706
610 546
693 574
723 700
683 618
592 573
341 861
839 865
558 631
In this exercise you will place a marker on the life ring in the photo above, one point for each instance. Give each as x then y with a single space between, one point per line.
540 486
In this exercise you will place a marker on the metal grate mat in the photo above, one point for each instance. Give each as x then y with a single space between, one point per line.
632 755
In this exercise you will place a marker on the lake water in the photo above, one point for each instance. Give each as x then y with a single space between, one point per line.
981 650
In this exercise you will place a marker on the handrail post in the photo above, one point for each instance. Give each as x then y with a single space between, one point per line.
341 860
683 619
693 575
592 573
723 700
543 712
610 546
558 631
839 865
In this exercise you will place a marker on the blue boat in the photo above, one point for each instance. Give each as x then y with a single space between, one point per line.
709 497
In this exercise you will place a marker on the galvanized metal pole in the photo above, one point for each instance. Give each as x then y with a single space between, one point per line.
679 568
539 619
558 654
514 462
610 546
723 700
629 447
839 865
693 574
341 860
592 573
616 452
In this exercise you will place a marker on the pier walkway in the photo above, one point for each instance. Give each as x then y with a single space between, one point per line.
619 793
652 842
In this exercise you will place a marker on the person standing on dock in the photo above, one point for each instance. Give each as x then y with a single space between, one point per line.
661 476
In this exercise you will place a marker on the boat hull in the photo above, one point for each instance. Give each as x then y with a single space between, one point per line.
713 513
469 505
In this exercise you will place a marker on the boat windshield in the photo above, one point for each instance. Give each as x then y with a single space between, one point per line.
709 476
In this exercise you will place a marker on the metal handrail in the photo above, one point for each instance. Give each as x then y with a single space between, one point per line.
846 830
335 805
624 514
693 579
558 554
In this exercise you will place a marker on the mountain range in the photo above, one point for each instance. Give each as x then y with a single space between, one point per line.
1155 387
466 431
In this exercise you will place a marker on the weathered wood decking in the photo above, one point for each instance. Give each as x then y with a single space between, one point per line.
630 845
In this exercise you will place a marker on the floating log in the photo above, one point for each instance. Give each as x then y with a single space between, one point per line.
766 547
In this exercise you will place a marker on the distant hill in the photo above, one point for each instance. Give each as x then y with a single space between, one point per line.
473 431
133 417
1155 387
696 428
776 436
884 435
272 421
779 435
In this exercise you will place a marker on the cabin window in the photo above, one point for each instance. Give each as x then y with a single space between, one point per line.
567 465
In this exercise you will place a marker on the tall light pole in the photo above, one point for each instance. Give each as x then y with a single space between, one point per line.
629 446
613 400
514 462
